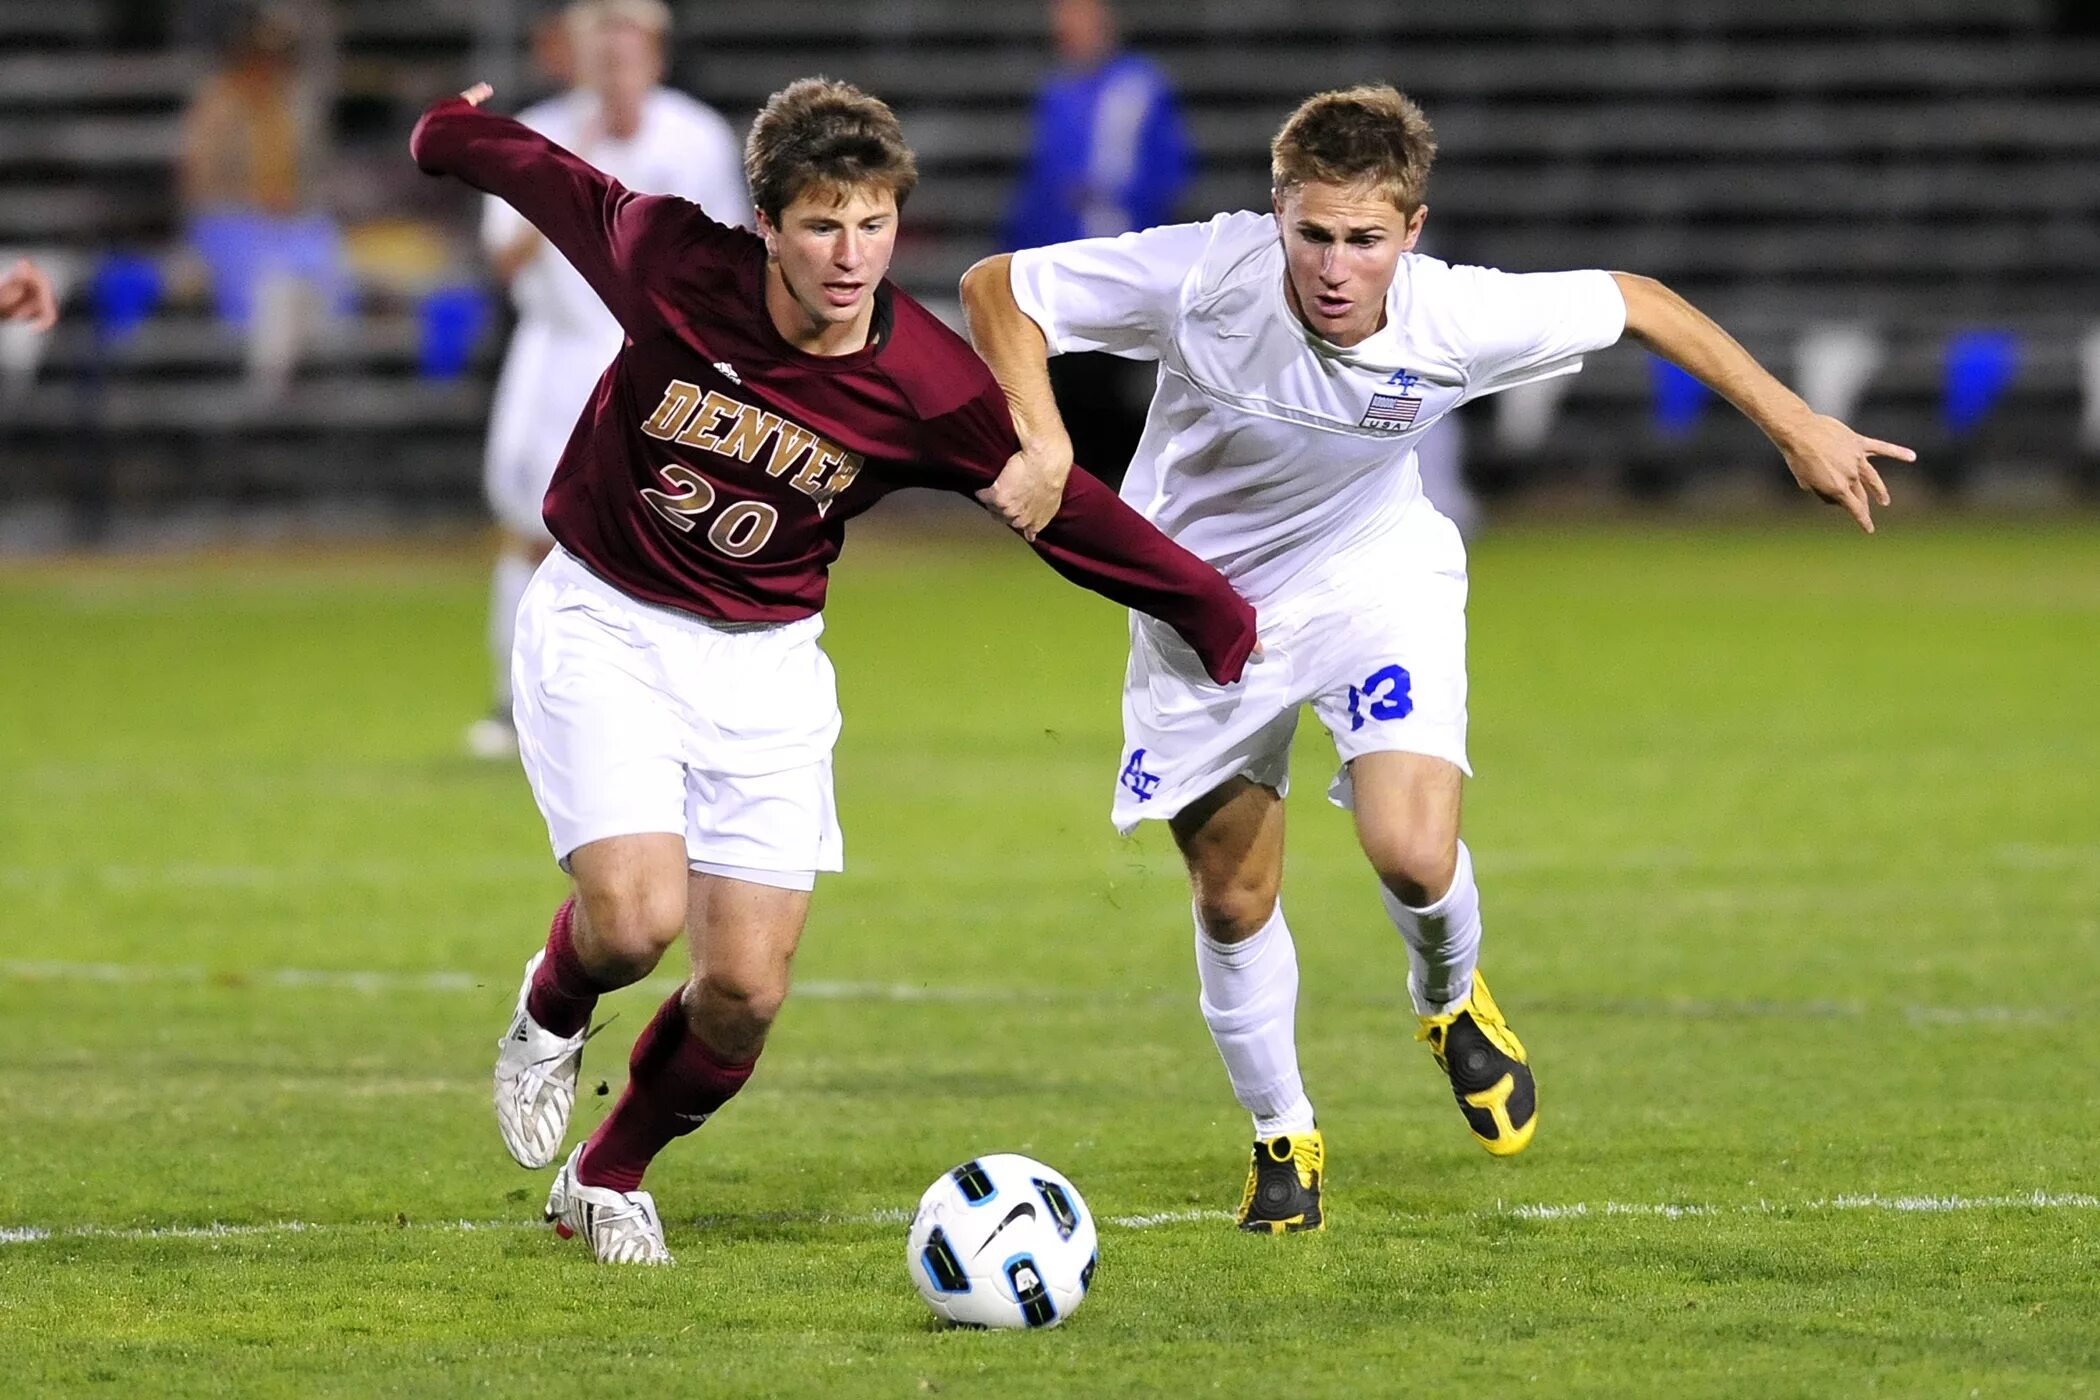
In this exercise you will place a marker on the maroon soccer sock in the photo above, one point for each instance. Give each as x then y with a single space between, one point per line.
563 991
673 1083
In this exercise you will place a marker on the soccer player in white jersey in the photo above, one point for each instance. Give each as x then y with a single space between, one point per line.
1300 354
650 138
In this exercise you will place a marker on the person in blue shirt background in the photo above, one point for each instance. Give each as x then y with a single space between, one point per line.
1109 154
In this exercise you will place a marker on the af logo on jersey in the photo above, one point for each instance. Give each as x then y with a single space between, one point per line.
1394 413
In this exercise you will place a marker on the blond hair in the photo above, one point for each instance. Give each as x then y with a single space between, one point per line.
1369 135
829 135
652 15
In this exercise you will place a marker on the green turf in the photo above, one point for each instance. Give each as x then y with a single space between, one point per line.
1790 845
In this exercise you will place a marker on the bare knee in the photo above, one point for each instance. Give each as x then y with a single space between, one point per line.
732 1010
1232 842
1234 904
627 927
1407 808
1417 865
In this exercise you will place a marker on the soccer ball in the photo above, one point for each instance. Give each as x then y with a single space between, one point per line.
1002 1241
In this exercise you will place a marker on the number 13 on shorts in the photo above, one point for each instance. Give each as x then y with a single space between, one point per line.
1383 695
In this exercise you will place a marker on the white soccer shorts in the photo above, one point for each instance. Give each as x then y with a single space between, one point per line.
1374 641
635 718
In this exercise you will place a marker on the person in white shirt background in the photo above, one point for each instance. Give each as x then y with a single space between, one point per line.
653 139
1301 355
27 297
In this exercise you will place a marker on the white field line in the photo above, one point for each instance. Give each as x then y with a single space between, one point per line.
1580 1210
2033 1200
199 875
1659 860
1165 1217
374 983
33 1234
349 980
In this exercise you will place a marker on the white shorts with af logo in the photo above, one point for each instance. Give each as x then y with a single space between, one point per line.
1374 641
634 718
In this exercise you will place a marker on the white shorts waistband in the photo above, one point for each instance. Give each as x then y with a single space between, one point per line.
566 568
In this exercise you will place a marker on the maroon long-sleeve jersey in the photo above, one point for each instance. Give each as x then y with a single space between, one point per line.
716 465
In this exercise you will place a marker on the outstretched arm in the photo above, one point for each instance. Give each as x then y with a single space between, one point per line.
26 295
1120 294
613 236
1027 491
1824 455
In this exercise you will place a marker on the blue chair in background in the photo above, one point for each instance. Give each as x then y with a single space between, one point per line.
450 323
1679 399
1980 367
123 291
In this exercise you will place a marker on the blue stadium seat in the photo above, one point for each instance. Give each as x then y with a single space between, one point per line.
451 321
1679 399
1980 366
124 290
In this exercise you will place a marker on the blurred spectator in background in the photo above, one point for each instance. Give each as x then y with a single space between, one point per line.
553 41
1108 155
26 295
254 147
649 137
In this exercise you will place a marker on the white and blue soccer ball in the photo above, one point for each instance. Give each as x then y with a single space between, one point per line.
1002 1241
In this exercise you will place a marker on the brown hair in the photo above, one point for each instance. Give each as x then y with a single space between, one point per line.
1371 134
817 132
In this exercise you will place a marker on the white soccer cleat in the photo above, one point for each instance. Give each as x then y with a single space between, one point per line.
622 1226
536 1074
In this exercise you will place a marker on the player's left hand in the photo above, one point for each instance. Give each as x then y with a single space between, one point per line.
26 295
1828 458
1030 488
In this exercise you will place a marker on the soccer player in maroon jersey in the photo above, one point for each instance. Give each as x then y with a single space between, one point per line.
675 713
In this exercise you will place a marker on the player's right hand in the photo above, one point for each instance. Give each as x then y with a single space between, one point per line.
1031 487
1835 463
477 94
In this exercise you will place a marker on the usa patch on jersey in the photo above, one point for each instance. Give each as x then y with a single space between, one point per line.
1391 412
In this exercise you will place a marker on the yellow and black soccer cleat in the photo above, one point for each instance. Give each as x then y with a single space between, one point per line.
1490 1073
1283 1185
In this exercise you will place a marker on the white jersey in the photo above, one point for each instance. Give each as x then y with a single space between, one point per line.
1268 452
682 147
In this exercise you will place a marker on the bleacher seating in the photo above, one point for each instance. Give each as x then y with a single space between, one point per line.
1916 168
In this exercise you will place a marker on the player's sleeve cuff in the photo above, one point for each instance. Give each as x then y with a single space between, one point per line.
1033 277
1606 314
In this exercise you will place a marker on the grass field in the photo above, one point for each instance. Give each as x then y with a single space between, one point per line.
1790 850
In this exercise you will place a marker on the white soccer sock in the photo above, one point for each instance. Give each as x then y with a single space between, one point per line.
506 587
1250 1001
1443 941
